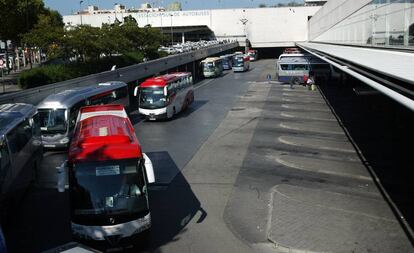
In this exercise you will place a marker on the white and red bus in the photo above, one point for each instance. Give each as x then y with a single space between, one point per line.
241 63
108 178
164 96
253 54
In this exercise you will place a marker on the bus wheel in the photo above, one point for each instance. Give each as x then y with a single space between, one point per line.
296 81
144 240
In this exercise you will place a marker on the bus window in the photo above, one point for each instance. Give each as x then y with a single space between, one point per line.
19 137
74 114
284 66
36 125
121 93
4 162
103 99
52 121
300 67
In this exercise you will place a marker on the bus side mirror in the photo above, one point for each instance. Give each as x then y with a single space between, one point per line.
61 176
149 169
136 91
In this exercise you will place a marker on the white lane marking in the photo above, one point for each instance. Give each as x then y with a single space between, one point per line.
207 82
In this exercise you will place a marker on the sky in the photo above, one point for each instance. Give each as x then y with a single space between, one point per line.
66 7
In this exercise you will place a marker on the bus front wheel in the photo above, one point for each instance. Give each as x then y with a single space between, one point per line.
296 81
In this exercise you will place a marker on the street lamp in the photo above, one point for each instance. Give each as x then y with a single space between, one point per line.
172 35
244 22
80 10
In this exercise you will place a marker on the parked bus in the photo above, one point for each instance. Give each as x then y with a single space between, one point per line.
227 61
253 54
291 50
293 69
58 112
20 151
301 55
164 96
241 63
212 67
108 177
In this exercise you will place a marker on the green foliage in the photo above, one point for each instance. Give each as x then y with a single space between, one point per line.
18 17
48 74
47 34
83 42
89 49
44 75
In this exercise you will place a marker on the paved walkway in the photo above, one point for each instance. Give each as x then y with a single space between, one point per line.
303 188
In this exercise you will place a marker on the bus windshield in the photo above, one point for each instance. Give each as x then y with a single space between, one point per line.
107 188
238 62
152 98
208 66
52 121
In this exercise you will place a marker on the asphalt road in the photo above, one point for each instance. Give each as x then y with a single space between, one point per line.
227 170
42 221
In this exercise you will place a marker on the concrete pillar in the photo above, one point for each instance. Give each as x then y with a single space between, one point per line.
407 23
387 23
24 57
183 37
17 59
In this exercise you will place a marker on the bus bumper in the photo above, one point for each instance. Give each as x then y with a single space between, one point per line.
238 69
55 143
106 233
154 114
208 74
287 79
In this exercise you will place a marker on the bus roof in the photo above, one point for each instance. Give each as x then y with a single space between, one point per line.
13 114
103 132
67 98
293 60
211 59
64 98
244 56
162 81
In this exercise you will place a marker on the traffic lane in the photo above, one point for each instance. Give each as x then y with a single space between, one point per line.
188 214
45 210
182 136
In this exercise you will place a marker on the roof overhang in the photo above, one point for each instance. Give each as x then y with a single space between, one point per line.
386 70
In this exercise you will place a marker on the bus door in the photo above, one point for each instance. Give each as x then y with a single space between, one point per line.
6 176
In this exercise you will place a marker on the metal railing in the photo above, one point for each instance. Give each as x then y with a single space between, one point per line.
125 74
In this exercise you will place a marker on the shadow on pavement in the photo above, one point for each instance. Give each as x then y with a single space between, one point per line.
172 205
197 104
40 222
383 131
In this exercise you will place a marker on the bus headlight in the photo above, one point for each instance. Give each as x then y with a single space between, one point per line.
64 140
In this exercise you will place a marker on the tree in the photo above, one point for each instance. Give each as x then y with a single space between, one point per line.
82 41
262 5
18 17
47 34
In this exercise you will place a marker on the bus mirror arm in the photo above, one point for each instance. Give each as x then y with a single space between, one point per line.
149 169
61 176
136 91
